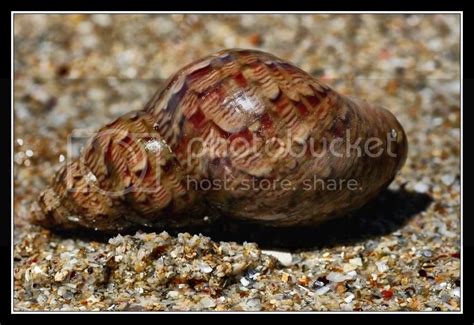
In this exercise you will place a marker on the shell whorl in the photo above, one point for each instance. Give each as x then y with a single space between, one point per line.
144 161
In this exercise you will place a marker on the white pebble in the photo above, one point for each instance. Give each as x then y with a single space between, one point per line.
447 179
59 276
283 257
421 187
356 261
205 268
102 20
437 121
207 302
348 267
37 270
253 304
456 292
350 275
322 290
85 27
381 266
89 41
244 281
346 307
172 294
336 277
349 297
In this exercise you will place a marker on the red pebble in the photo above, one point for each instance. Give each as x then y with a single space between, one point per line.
387 294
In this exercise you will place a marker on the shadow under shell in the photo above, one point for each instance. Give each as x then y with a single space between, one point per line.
387 213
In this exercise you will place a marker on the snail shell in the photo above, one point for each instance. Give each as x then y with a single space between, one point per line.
238 134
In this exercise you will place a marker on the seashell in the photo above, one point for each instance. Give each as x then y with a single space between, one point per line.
239 134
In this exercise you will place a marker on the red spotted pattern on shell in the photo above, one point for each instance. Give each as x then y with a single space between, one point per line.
138 169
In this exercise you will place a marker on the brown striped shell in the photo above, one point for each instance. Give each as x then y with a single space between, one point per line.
238 134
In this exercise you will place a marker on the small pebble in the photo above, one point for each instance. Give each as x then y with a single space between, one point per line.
244 281
381 266
253 305
336 277
356 261
322 290
426 253
421 187
283 257
447 179
456 292
318 284
207 302
205 268
172 294
349 297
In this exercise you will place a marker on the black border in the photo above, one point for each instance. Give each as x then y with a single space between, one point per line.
360 5
5 102
5 98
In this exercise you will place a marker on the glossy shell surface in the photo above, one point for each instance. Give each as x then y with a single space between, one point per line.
238 134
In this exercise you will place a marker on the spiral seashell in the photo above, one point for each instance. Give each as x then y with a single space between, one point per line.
238 134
